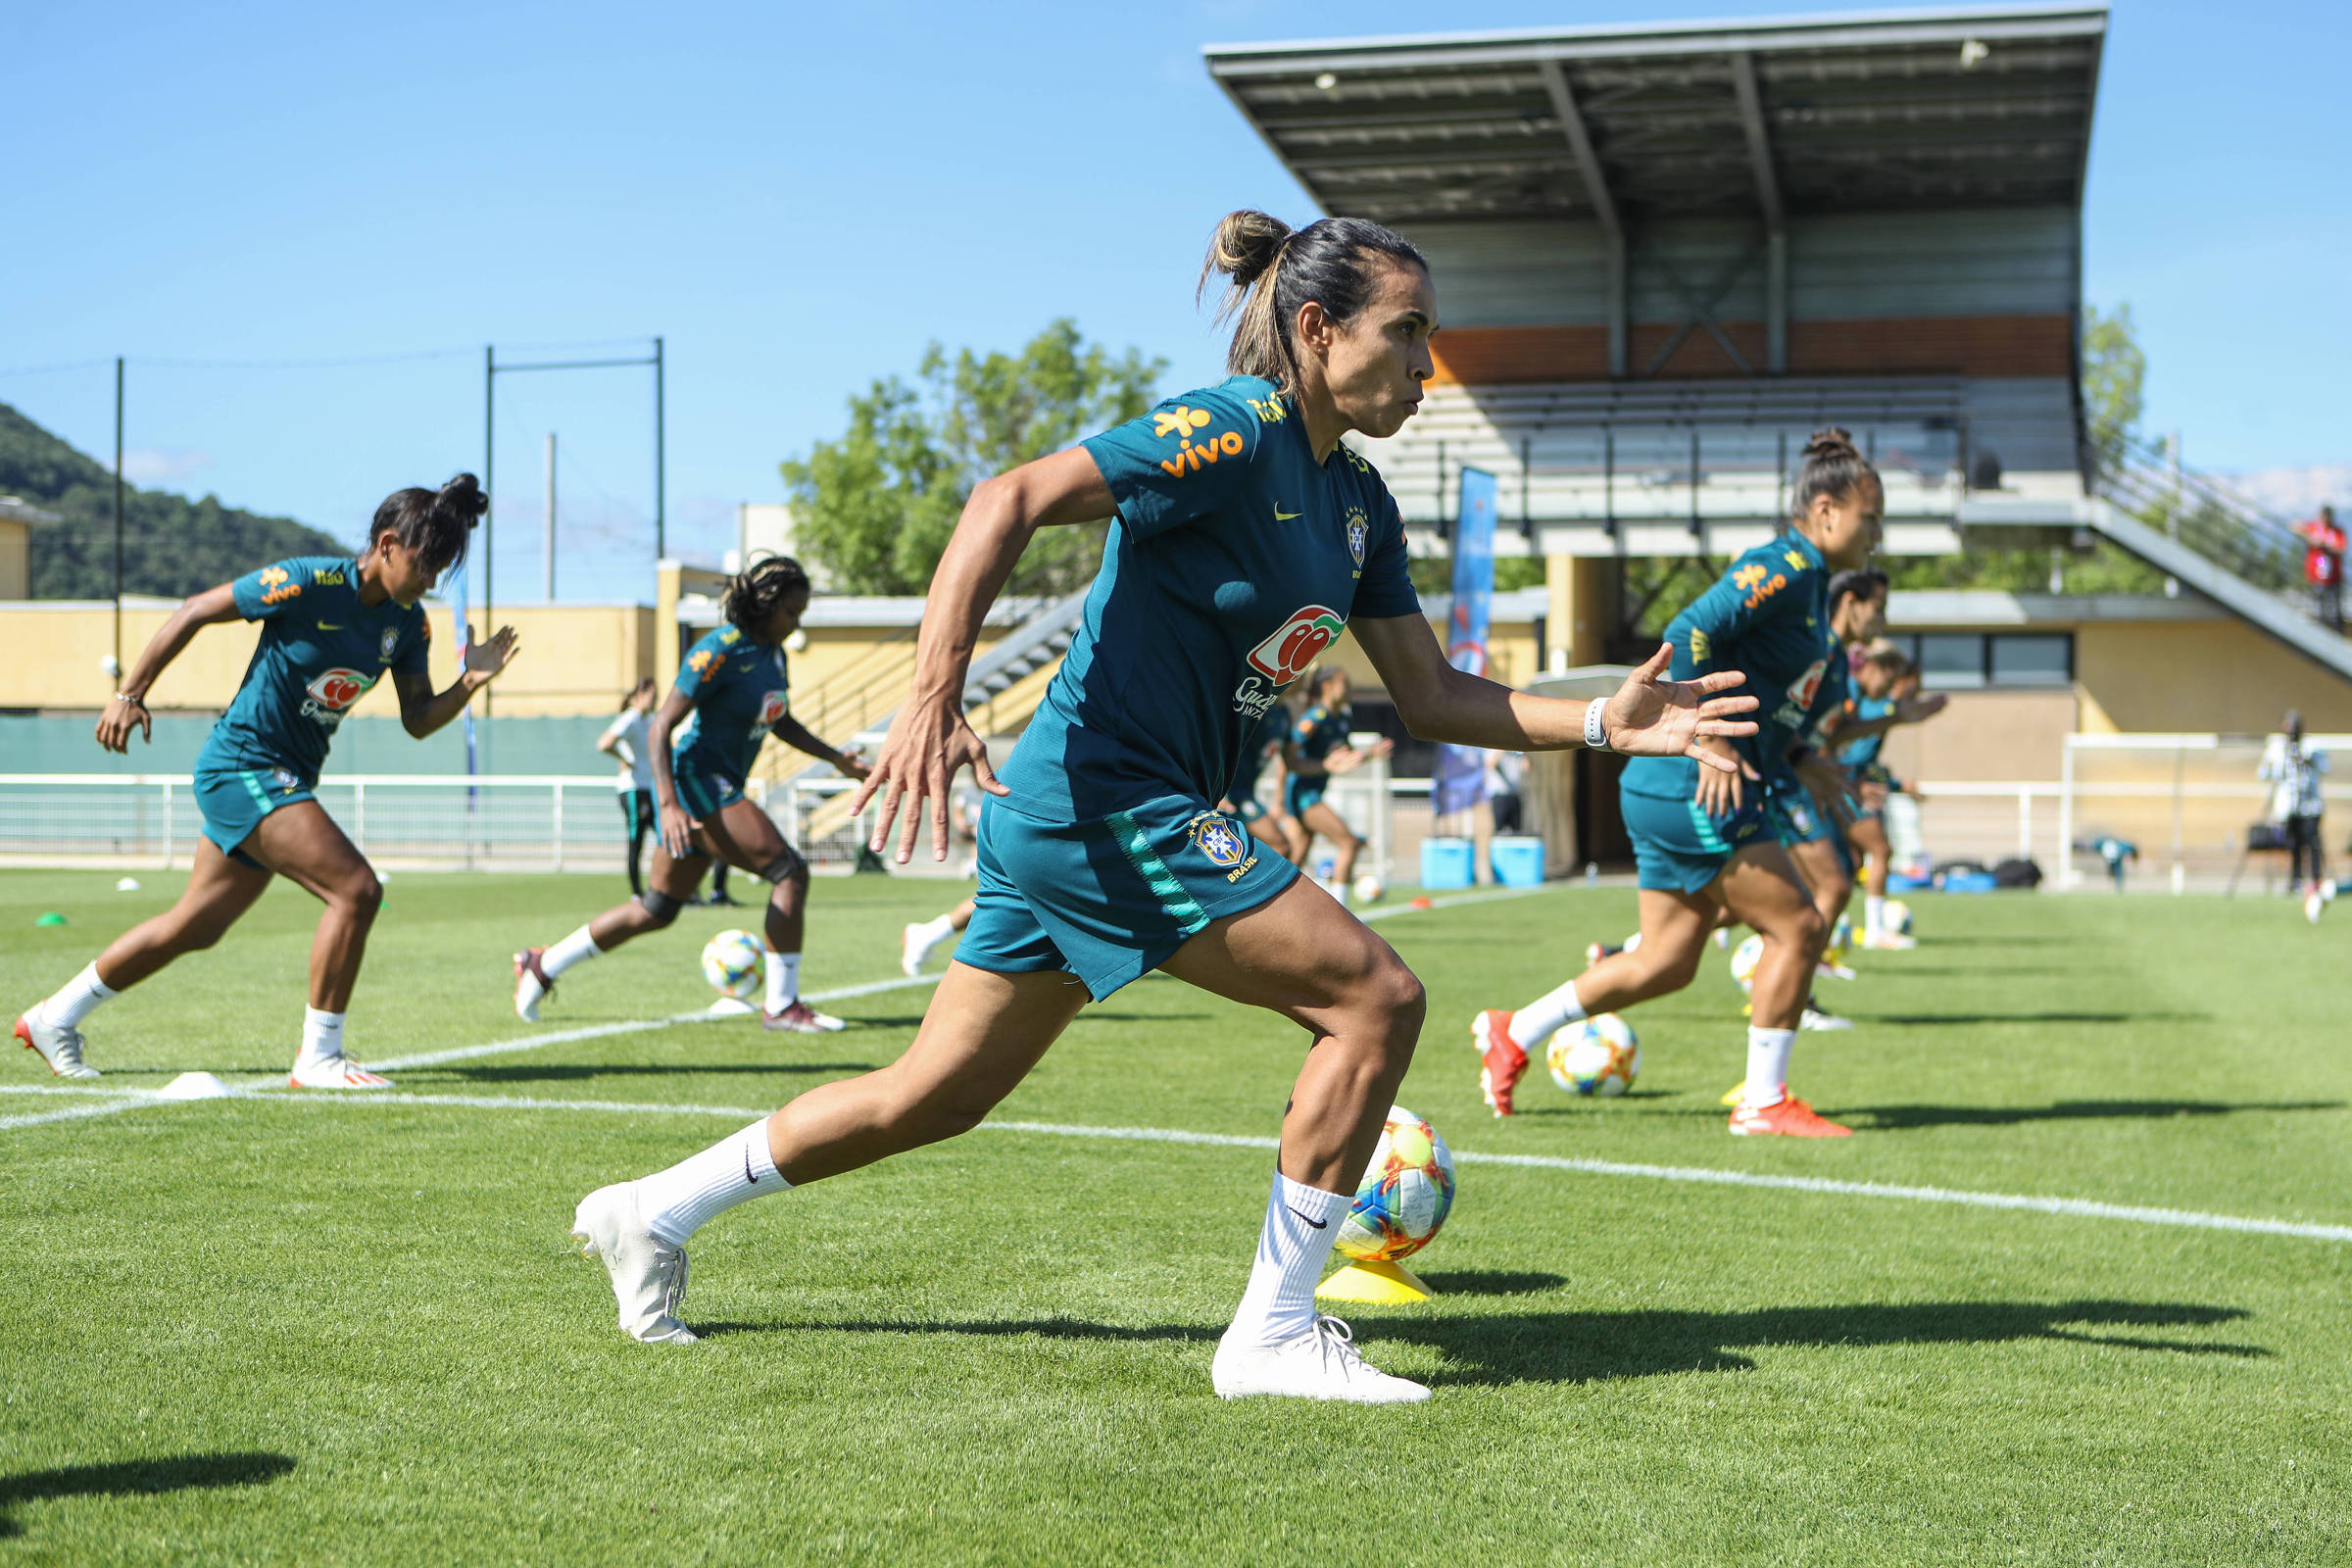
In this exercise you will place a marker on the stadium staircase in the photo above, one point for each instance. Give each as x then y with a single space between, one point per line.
1002 689
2197 530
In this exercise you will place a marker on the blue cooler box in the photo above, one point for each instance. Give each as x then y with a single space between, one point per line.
1447 863
1518 862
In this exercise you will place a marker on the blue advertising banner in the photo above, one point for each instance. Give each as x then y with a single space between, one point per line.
1461 770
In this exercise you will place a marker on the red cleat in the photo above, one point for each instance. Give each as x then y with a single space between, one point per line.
1504 1060
1790 1117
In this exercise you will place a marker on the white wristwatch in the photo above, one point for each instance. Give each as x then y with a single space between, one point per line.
1597 734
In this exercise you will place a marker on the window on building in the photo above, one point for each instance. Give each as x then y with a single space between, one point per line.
1973 661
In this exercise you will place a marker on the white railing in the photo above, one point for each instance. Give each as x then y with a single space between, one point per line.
526 822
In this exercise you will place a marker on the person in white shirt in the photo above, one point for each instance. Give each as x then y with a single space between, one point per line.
2293 770
624 740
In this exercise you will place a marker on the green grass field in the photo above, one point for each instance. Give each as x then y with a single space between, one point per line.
298 1329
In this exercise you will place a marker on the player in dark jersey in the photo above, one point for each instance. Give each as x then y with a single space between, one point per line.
1316 751
1247 536
1702 837
1271 825
732 693
331 627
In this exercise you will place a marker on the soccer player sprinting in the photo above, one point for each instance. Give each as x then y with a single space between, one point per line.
1247 536
1703 837
1316 751
1873 709
731 694
331 627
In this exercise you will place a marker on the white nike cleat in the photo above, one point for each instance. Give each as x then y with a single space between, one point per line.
800 1018
649 1276
334 1072
531 984
1320 1364
1890 941
1826 1022
2314 901
58 1046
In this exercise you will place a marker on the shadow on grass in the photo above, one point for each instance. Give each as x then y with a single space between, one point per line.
568 1072
1495 1349
130 1478
1086 1015
1897 1118
1491 1281
1925 1020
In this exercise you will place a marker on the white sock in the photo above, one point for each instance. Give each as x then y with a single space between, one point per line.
322 1036
783 980
1873 913
1633 944
1279 1303
79 998
936 931
1768 1052
680 1201
577 948
1546 1016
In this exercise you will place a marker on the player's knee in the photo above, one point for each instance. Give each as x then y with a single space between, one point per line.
661 909
363 894
1674 969
1806 930
1396 994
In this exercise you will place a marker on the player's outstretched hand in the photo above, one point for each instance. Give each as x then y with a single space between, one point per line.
119 719
486 660
677 831
1650 716
928 742
1914 709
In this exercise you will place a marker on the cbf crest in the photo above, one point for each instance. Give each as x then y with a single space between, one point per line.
1222 841
1359 532
391 640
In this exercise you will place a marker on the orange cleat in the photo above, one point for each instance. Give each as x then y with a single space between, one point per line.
1789 1117
1504 1060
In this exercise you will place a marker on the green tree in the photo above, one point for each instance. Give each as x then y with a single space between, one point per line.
874 508
2114 369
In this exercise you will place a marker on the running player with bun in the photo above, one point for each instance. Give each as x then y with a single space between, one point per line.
1246 537
1703 837
331 627
1315 751
732 693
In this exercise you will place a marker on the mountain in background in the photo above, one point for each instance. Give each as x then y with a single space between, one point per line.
2297 493
171 546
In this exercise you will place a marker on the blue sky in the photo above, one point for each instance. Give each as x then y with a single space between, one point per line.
798 198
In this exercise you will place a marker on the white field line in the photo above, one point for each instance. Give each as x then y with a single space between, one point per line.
2072 1208
96 1102
560 1037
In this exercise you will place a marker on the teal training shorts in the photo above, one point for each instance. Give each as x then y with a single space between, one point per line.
1112 899
703 790
234 802
1298 792
1797 819
1678 848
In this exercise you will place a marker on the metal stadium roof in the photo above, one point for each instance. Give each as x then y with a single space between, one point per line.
1972 107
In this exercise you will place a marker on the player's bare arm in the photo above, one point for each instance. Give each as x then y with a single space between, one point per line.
127 708
423 710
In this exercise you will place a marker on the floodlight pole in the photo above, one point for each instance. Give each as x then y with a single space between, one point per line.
660 454
547 566
489 501
118 522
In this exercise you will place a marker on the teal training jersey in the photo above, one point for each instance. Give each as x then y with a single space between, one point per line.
1864 753
321 650
1235 562
1765 617
1321 731
1256 750
739 690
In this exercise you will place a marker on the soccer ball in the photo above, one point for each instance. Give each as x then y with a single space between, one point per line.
735 963
1597 1056
1744 958
1368 889
1895 918
1404 1195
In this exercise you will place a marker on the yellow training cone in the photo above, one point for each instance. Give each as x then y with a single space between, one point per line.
1383 1284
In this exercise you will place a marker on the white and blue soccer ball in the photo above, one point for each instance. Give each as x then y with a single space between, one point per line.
735 963
1895 918
1597 1055
1744 958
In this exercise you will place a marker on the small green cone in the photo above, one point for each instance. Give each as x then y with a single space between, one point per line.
51 918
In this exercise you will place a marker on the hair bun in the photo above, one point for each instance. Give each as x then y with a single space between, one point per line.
462 498
1830 441
1244 245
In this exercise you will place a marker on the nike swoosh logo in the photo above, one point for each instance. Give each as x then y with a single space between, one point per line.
747 1168
1281 515
330 625
1319 1224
